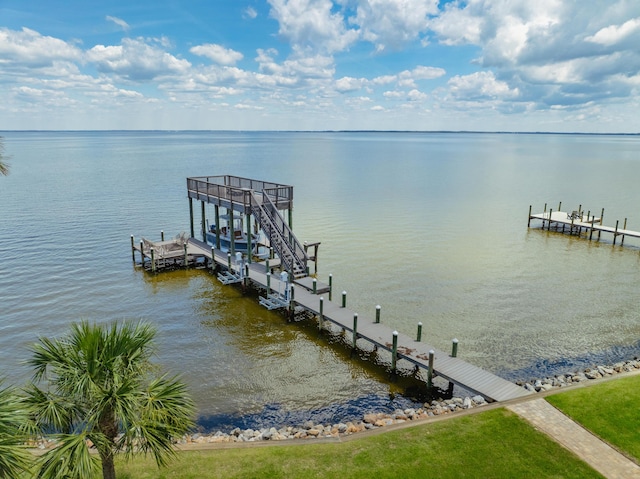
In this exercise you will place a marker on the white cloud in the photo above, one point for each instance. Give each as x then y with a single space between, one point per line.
426 73
217 53
392 23
547 48
136 59
250 13
393 95
480 85
615 33
312 24
416 95
28 47
346 84
118 21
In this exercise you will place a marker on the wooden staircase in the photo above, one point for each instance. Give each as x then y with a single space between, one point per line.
292 255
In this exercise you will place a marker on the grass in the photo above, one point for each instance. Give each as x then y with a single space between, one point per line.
494 444
609 410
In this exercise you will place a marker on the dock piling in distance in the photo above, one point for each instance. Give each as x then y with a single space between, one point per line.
454 348
330 285
344 299
133 250
378 313
321 313
430 370
419 336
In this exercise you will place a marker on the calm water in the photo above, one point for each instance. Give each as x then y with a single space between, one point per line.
433 227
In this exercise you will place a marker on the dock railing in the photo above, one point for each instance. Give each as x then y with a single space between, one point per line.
227 189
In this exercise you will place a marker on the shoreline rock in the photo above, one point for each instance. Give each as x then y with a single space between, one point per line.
311 431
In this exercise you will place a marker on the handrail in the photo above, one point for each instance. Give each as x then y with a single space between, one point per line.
285 231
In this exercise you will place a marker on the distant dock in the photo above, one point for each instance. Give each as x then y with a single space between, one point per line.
578 222
283 276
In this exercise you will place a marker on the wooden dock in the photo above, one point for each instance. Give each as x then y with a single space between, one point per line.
287 284
578 222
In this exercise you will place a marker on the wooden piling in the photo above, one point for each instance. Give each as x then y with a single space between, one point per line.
292 306
321 314
330 285
344 299
191 216
601 218
153 261
394 352
355 330
623 228
419 336
377 313
615 233
217 220
162 235
529 220
133 250
204 222
454 348
430 370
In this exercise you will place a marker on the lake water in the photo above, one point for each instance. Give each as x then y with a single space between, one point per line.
432 227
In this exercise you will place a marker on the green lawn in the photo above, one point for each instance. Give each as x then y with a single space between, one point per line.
493 444
609 410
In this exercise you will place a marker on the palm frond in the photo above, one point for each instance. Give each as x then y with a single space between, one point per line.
14 459
71 459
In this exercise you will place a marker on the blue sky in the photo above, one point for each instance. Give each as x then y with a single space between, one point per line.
490 65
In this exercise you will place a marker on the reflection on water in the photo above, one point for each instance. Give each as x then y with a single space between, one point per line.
432 227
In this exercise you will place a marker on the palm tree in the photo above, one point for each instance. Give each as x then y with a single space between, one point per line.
4 166
101 394
14 459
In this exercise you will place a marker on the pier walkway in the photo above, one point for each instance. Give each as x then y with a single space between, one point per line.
578 221
450 368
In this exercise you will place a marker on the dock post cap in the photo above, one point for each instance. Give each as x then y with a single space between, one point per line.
321 298
455 340
395 333
431 352
377 306
419 323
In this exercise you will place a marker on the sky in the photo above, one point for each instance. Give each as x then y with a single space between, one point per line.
419 65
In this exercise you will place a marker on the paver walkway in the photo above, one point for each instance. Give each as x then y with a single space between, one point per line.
599 455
